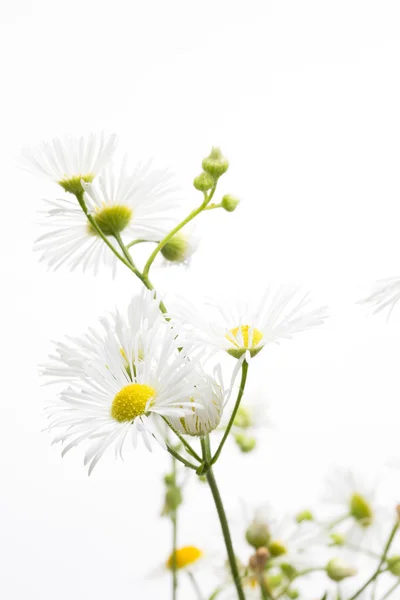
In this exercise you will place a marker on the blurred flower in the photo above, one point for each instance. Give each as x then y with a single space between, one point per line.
71 160
385 295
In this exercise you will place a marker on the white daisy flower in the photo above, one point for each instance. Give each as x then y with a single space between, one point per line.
121 389
211 396
361 518
137 205
71 160
385 295
245 330
71 356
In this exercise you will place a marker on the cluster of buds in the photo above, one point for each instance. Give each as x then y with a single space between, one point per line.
214 166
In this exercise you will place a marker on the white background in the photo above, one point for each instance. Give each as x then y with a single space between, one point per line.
303 97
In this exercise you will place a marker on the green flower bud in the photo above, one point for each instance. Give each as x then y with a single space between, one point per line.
258 535
245 443
293 594
337 570
229 203
361 510
173 498
288 570
304 515
169 479
275 580
338 539
204 182
277 548
243 418
393 564
215 163
175 250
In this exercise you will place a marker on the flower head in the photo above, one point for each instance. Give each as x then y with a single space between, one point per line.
244 329
120 388
135 205
71 160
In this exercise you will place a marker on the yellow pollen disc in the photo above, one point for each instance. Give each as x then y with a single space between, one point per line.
187 555
131 402
245 332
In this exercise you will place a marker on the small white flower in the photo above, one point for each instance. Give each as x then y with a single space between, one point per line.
244 329
137 205
121 388
353 496
71 159
208 393
385 295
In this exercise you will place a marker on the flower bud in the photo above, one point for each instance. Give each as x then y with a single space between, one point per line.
176 249
293 594
204 182
337 569
277 548
338 539
288 570
393 564
245 443
169 479
258 534
258 561
304 515
243 418
215 163
229 203
274 580
361 510
173 498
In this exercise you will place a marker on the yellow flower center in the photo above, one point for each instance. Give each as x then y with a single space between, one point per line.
187 555
111 219
244 338
73 184
361 510
131 402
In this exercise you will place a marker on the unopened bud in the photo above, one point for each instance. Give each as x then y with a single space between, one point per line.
277 548
337 569
245 443
258 561
204 182
304 515
361 510
393 564
169 479
243 418
288 570
215 163
338 539
258 534
173 498
293 594
229 203
274 580
176 249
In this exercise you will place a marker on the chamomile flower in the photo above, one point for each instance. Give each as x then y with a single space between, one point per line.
245 330
211 397
121 389
135 205
71 160
385 295
186 557
70 356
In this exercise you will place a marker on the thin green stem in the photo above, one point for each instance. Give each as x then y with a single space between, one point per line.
338 521
195 585
135 242
175 230
222 518
181 459
174 521
245 368
379 569
212 206
363 551
188 447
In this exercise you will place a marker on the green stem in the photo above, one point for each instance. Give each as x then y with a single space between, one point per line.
134 242
264 590
174 520
181 459
379 569
195 585
222 518
245 368
175 230
188 447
